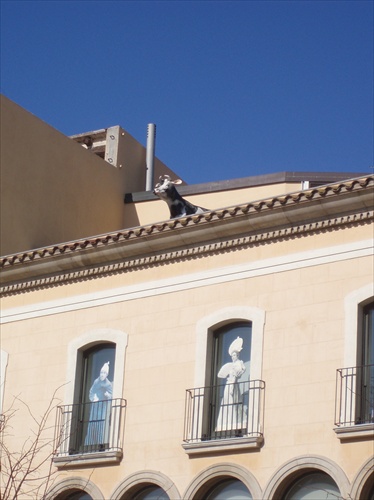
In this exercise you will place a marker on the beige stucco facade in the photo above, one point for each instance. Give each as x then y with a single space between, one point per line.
53 190
298 267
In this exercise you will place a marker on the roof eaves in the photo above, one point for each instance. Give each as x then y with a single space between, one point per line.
112 244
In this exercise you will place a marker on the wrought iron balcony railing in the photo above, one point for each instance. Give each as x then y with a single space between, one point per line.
90 427
224 411
354 401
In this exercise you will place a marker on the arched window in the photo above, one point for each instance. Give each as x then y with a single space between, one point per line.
227 400
313 486
151 493
74 488
355 380
95 359
147 485
93 398
365 369
229 489
228 375
78 495
92 418
368 489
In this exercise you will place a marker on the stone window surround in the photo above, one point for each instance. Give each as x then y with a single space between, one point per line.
66 486
278 483
283 477
353 307
209 476
204 329
85 341
220 318
363 479
294 468
138 480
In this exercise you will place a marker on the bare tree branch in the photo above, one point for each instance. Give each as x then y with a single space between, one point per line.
27 473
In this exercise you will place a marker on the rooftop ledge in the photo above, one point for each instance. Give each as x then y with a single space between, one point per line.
314 179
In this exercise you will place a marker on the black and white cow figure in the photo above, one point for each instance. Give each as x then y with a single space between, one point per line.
178 206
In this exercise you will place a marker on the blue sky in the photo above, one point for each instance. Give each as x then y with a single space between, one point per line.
236 88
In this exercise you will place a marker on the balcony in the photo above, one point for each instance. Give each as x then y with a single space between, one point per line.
89 433
223 417
354 402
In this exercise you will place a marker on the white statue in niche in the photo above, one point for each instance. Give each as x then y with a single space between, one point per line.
231 413
99 420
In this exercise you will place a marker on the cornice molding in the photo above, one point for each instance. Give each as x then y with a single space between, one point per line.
183 254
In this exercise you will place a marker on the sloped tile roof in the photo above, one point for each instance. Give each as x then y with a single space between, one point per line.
287 200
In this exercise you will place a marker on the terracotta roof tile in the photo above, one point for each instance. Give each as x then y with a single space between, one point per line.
255 206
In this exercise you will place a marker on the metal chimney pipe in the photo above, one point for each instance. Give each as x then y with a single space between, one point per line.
150 159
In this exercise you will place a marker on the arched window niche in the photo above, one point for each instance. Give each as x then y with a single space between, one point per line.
207 325
225 407
313 486
224 481
74 488
78 495
308 477
232 489
151 492
91 422
363 483
146 485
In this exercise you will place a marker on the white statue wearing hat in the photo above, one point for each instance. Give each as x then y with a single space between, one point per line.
231 415
102 388
100 394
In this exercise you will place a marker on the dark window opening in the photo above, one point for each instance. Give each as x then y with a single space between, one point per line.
91 417
365 371
229 489
230 380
